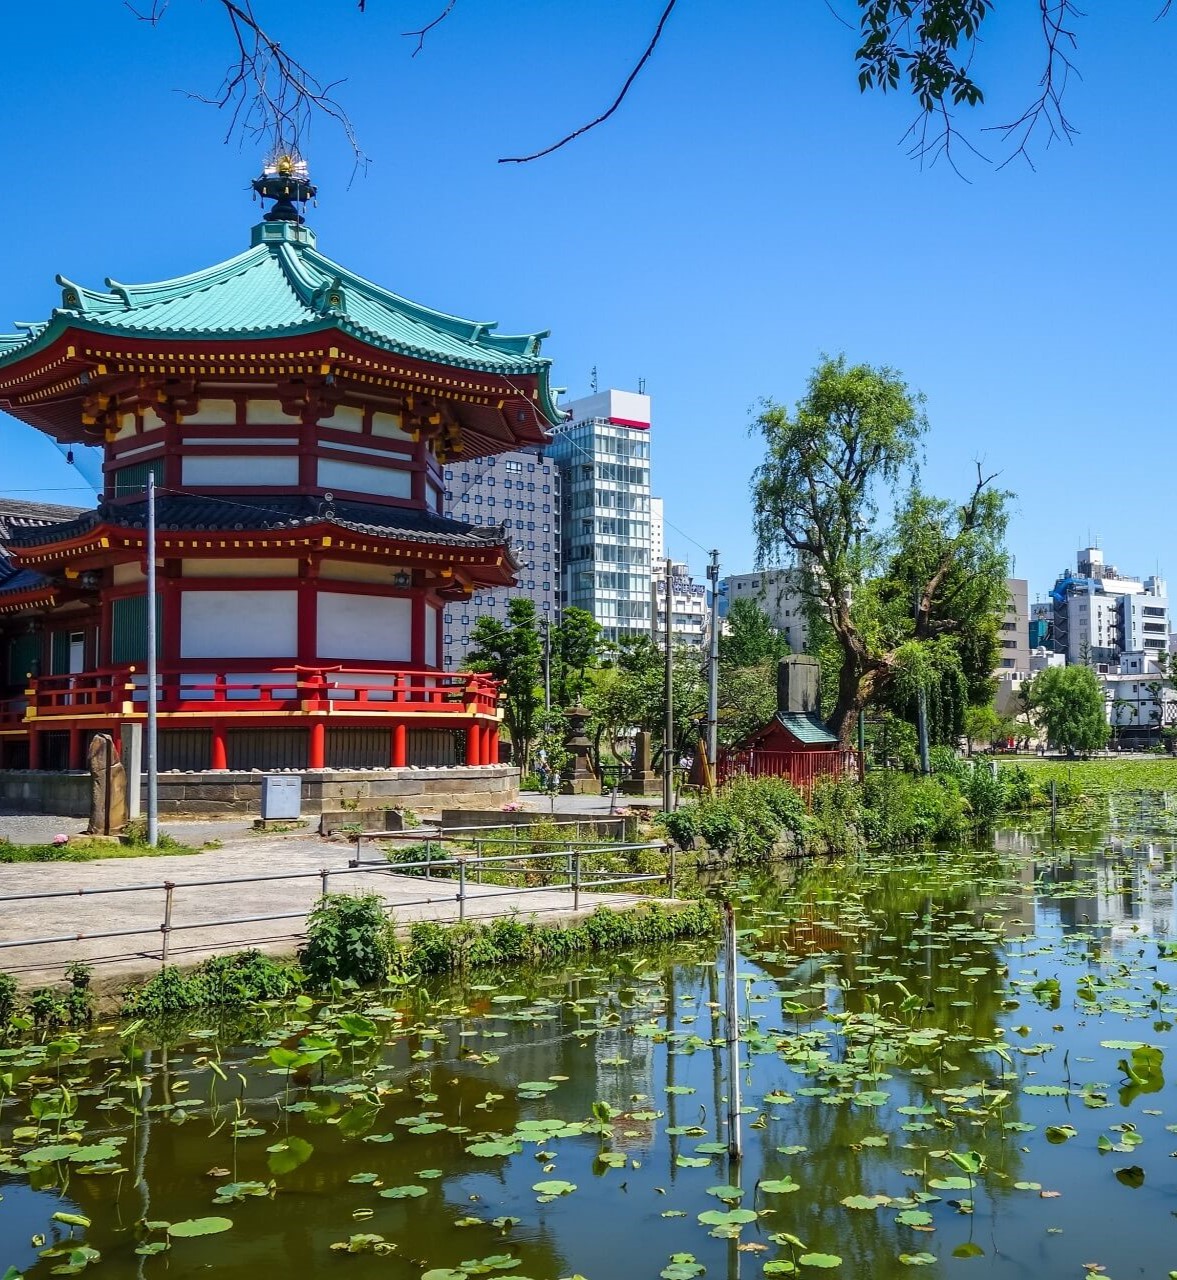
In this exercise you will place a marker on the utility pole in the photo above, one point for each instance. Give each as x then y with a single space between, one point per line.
713 669
922 709
546 623
152 676
668 729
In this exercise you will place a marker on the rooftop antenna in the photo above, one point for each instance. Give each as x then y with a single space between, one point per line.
641 386
593 380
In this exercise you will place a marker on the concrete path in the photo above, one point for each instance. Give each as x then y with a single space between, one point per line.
117 960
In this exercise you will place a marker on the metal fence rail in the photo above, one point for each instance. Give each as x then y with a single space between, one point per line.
567 867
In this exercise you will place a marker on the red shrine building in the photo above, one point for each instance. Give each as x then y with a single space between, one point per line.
295 419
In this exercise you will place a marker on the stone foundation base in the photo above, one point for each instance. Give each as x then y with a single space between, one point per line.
221 794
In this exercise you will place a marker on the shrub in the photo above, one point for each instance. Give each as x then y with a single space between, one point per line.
902 809
347 938
79 999
8 999
231 981
436 948
747 818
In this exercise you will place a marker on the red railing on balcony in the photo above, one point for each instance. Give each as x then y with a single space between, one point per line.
333 689
801 768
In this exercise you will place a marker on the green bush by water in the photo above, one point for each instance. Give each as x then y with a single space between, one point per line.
347 938
226 982
436 948
352 934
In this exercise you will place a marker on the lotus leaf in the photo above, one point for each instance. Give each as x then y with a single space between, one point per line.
199 1227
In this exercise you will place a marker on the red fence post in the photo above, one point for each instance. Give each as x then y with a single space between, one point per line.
317 746
219 755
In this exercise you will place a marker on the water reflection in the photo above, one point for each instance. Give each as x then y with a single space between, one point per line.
894 1009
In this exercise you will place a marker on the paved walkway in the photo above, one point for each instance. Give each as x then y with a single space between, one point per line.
84 915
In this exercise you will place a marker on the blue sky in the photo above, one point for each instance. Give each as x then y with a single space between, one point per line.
744 211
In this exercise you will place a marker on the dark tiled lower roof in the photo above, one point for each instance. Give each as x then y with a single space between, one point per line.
176 512
13 579
17 514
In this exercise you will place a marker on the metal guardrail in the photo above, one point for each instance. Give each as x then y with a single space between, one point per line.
430 836
571 868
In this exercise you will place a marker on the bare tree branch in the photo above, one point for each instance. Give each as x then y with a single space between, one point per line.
269 94
1047 108
428 27
592 124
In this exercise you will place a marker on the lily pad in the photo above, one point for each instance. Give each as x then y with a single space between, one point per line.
199 1227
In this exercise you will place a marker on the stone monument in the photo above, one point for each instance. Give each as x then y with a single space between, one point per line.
642 780
108 787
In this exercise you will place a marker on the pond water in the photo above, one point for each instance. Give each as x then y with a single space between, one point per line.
952 1064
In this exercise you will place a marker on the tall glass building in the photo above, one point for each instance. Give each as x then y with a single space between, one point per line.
603 452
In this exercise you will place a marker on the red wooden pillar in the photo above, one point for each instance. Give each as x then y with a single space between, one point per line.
400 745
474 743
34 749
219 757
490 744
317 748
76 760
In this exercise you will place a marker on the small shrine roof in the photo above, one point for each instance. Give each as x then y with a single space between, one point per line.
282 287
191 513
806 727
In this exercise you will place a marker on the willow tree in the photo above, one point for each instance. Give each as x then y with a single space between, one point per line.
911 598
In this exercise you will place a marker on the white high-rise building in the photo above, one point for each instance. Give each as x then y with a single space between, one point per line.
1099 614
657 533
778 593
603 452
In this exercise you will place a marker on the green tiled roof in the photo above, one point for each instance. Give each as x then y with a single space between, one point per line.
807 728
281 287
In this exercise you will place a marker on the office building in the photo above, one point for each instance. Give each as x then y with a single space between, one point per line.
603 452
1015 627
778 593
657 533
1098 614
517 492
688 606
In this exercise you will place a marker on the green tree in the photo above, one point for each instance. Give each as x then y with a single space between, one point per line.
629 694
511 652
1069 705
747 700
750 639
575 648
914 606
551 730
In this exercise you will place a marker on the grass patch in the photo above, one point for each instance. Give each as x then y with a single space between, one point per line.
92 849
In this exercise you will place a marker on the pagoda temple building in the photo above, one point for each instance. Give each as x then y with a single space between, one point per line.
294 419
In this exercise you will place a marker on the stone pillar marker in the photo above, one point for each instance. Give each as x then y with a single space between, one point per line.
132 754
579 778
108 787
642 780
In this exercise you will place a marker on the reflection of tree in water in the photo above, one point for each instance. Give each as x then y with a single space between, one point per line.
882 956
